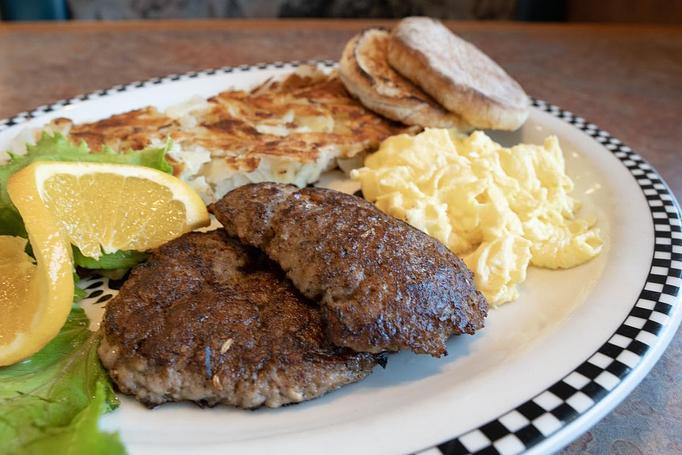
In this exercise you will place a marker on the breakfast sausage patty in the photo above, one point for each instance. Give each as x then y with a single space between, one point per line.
382 284
209 320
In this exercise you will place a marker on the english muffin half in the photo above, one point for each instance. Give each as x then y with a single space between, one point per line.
365 72
457 74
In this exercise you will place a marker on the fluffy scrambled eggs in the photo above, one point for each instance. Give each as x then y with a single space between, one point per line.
498 208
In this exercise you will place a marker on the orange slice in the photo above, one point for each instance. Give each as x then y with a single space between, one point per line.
97 207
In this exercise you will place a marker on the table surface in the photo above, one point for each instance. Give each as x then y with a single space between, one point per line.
626 79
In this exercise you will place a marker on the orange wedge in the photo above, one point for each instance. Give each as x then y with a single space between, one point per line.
97 207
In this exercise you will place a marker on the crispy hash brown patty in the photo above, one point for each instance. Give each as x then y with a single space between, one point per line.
287 129
382 284
209 320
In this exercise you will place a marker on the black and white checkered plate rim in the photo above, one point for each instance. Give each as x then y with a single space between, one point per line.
560 405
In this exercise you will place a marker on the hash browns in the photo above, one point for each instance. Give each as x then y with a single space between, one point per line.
287 131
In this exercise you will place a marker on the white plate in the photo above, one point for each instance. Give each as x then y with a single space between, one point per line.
543 370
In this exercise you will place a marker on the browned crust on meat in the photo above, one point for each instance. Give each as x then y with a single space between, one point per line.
457 74
365 72
382 284
209 320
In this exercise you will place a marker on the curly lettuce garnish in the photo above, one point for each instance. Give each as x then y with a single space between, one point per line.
51 402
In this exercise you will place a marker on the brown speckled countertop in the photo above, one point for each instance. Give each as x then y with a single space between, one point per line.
626 79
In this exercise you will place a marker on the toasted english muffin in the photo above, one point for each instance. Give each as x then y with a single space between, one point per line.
457 74
365 72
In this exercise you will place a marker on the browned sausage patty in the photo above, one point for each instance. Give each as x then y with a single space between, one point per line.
382 284
209 320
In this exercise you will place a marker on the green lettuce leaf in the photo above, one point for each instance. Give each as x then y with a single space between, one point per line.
81 436
78 293
50 403
59 148
111 261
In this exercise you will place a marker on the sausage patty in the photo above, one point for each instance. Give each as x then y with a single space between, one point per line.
382 284
209 320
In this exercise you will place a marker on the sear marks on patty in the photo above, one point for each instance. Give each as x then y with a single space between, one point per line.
382 284
209 320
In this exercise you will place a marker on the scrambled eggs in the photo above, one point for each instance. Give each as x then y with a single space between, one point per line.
498 208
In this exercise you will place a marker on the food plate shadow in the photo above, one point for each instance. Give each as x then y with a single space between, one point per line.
406 367
507 138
